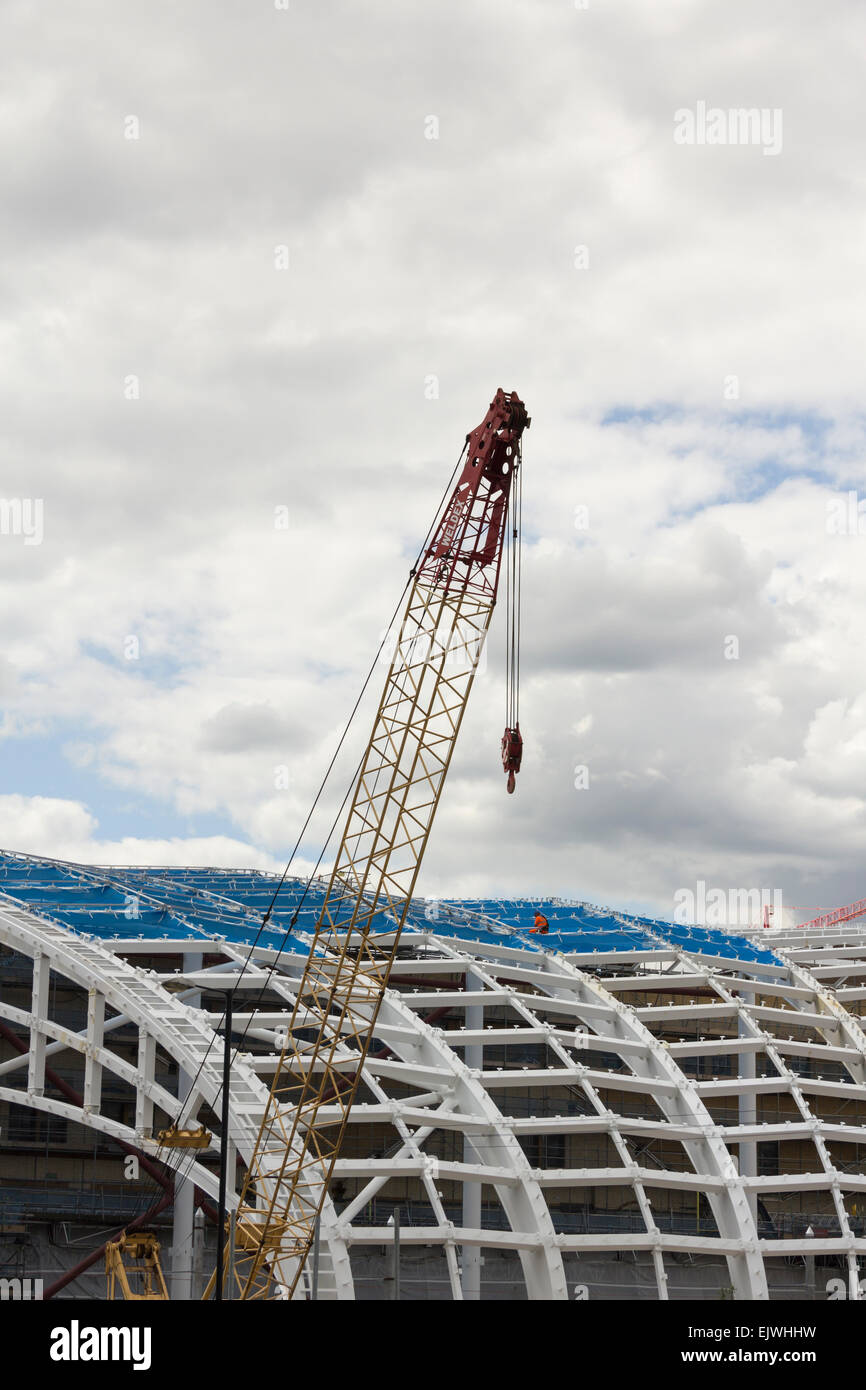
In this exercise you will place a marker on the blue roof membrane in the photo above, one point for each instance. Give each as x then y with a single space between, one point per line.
191 903
155 904
581 928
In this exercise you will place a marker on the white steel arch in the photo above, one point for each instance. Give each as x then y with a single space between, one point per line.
619 1032
185 1033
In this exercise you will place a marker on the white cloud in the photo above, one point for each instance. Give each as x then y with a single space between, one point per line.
305 389
67 830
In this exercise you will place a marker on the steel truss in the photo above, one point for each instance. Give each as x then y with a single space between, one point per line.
791 1030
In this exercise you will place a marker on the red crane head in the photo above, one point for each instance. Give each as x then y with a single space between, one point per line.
466 547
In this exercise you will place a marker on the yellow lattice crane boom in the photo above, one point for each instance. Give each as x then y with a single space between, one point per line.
438 644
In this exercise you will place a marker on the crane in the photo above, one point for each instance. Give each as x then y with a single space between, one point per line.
825 919
139 1275
450 603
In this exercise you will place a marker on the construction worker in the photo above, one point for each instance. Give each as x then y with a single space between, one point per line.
542 926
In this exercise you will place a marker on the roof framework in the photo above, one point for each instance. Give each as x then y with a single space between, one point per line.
619 1037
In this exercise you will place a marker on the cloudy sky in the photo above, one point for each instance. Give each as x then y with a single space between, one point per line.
270 261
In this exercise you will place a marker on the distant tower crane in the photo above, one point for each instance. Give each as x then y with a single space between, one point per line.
825 919
439 641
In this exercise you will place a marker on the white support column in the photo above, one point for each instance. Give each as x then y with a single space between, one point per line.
38 1012
182 1250
95 1037
474 1057
146 1066
748 1115
183 1229
198 1270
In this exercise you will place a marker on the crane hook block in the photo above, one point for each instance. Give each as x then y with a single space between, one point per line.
512 752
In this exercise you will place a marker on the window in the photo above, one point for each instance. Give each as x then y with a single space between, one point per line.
545 1150
32 1127
768 1159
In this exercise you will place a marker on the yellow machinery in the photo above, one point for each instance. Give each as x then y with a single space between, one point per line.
121 1255
174 1138
133 1263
